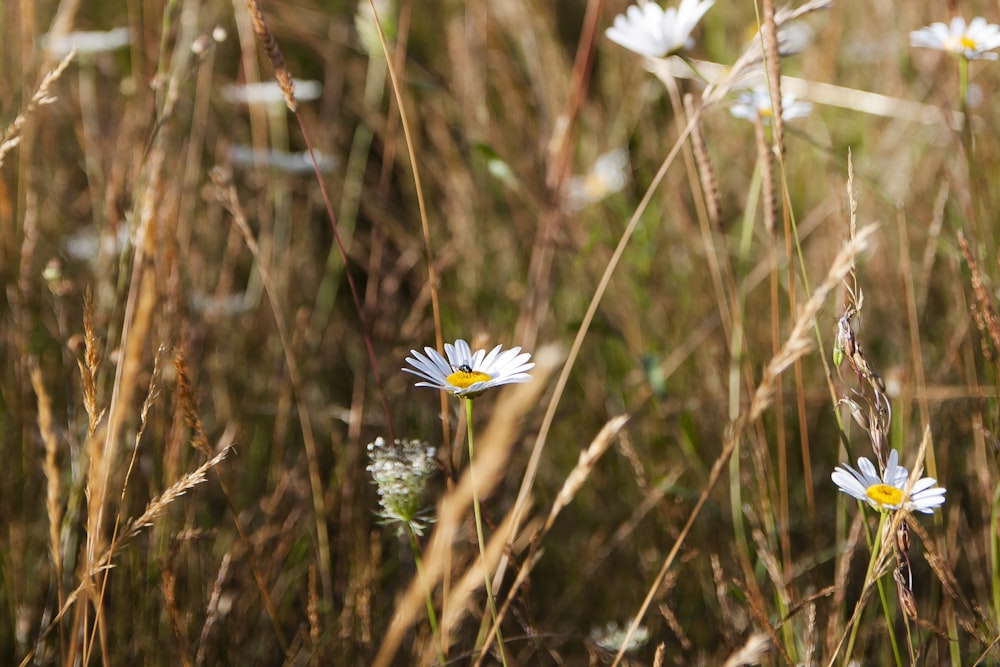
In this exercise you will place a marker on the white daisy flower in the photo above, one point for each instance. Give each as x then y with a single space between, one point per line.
972 42
466 373
650 31
756 103
608 176
887 493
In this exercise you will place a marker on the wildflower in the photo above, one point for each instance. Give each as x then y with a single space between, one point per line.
606 177
88 42
756 103
612 636
269 92
400 471
650 31
469 374
887 493
972 42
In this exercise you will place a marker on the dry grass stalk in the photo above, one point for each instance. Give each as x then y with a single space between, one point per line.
769 195
50 467
756 606
89 366
12 133
312 613
273 52
158 506
772 62
103 562
212 610
661 653
675 626
188 397
706 173
983 312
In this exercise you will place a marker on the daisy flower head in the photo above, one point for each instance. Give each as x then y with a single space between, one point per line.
649 30
466 373
756 103
888 492
974 41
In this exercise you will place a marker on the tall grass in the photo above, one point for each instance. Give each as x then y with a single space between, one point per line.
197 347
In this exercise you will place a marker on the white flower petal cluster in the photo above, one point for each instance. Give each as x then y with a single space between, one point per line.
887 493
466 373
400 471
974 41
756 103
88 42
608 175
649 30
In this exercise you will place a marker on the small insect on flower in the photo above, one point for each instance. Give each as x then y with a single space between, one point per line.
974 41
888 492
466 373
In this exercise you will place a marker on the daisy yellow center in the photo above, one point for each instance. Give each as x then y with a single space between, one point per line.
885 495
766 112
466 378
960 44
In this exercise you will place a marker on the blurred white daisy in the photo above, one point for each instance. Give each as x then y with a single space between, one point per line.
608 176
466 373
612 636
887 493
756 103
972 42
269 92
649 30
88 42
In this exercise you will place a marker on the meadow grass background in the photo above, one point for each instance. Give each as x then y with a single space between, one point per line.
199 339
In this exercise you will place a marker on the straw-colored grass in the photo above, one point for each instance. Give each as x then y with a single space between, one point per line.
195 351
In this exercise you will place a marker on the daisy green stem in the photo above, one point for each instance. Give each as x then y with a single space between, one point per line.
479 531
431 616
875 546
963 89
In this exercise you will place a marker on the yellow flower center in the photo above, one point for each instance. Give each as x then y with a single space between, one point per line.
959 44
885 495
465 377
766 112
